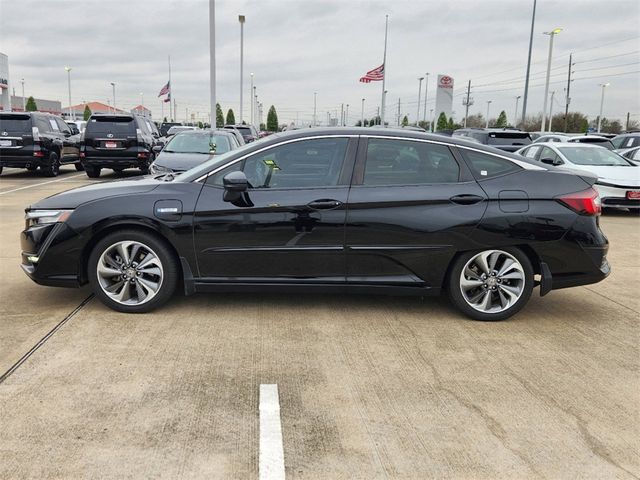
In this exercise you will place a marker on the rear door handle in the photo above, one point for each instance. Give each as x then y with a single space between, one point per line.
324 204
466 199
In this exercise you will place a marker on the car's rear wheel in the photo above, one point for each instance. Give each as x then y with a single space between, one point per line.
132 271
53 166
491 284
92 172
79 166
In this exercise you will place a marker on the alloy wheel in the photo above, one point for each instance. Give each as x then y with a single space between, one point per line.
492 281
130 272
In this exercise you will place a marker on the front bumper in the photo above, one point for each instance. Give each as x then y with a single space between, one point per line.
616 196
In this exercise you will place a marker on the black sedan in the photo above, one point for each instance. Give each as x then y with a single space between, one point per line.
188 149
331 210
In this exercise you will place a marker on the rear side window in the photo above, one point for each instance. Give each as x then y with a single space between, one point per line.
43 125
405 162
15 124
113 125
484 165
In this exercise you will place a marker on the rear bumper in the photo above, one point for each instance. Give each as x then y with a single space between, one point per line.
21 158
616 197
114 162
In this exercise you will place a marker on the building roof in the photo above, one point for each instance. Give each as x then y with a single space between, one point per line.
95 107
140 108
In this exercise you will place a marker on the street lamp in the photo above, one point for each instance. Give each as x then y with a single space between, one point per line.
24 105
551 34
604 85
488 105
515 116
426 85
346 116
113 86
419 92
241 20
553 94
68 70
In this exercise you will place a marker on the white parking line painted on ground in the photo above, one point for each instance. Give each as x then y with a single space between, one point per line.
271 464
41 183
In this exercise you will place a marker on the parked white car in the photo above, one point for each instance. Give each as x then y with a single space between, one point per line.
618 177
561 138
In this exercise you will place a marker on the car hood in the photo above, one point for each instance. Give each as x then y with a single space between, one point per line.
77 196
180 162
628 176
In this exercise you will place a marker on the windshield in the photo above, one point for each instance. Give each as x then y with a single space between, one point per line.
594 157
221 159
198 143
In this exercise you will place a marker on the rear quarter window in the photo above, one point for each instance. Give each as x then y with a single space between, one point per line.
484 165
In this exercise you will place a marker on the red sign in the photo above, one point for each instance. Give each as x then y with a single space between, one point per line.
446 82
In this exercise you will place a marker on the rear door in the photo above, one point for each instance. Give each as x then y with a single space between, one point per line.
70 151
411 206
111 136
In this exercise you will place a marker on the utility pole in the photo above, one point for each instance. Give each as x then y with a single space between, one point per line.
526 82
241 20
515 116
568 98
212 62
467 102
626 126
551 34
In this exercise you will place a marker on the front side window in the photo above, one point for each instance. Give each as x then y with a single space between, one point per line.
303 164
406 162
548 154
484 165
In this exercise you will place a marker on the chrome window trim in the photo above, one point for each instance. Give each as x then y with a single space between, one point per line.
216 170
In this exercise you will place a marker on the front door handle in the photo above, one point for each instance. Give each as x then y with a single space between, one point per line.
466 199
324 204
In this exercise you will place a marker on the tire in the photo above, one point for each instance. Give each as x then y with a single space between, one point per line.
92 172
153 265
507 279
145 169
1 168
32 168
118 171
79 167
53 167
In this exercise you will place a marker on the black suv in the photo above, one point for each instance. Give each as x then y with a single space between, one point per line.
507 139
35 140
117 142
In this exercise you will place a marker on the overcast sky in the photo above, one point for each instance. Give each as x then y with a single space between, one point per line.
296 48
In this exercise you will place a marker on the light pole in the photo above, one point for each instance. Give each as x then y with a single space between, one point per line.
315 103
488 105
255 104
346 116
419 93
251 96
551 34
553 94
113 86
212 62
362 114
526 81
604 85
431 119
24 105
515 116
426 85
241 20
68 70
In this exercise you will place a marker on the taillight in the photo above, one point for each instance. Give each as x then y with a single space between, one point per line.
586 202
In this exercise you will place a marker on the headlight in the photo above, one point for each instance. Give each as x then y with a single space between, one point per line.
156 169
44 217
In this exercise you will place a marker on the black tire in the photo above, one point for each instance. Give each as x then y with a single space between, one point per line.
32 168
164 254
1 170
79 166
145 169
92 172
53 167
458 299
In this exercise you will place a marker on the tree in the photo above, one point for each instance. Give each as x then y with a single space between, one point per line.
87 113
476 121
450 124
165 120
31 105
219 116
405 121
272 119
231 118
442 122
200 124
502 120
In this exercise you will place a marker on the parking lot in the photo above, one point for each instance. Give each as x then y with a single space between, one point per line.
370 386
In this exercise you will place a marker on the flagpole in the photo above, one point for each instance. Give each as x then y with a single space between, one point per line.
170 93
384 64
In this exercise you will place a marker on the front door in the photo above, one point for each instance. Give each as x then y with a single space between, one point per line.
411 207
291 224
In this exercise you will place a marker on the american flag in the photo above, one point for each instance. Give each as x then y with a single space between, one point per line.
374 75
168 99
166 89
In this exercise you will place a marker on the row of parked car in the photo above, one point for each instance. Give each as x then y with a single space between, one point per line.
37 140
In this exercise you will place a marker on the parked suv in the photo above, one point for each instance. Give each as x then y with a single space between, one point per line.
248 132
164 128
117 142
35 140
505 139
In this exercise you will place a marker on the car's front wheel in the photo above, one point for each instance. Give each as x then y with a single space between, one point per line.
53 167
133 271
491 284
79 166
92 172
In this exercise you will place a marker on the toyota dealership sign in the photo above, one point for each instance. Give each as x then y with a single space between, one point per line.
444 96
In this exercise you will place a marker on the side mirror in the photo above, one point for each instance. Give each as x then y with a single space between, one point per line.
157 148
235 187
551 161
